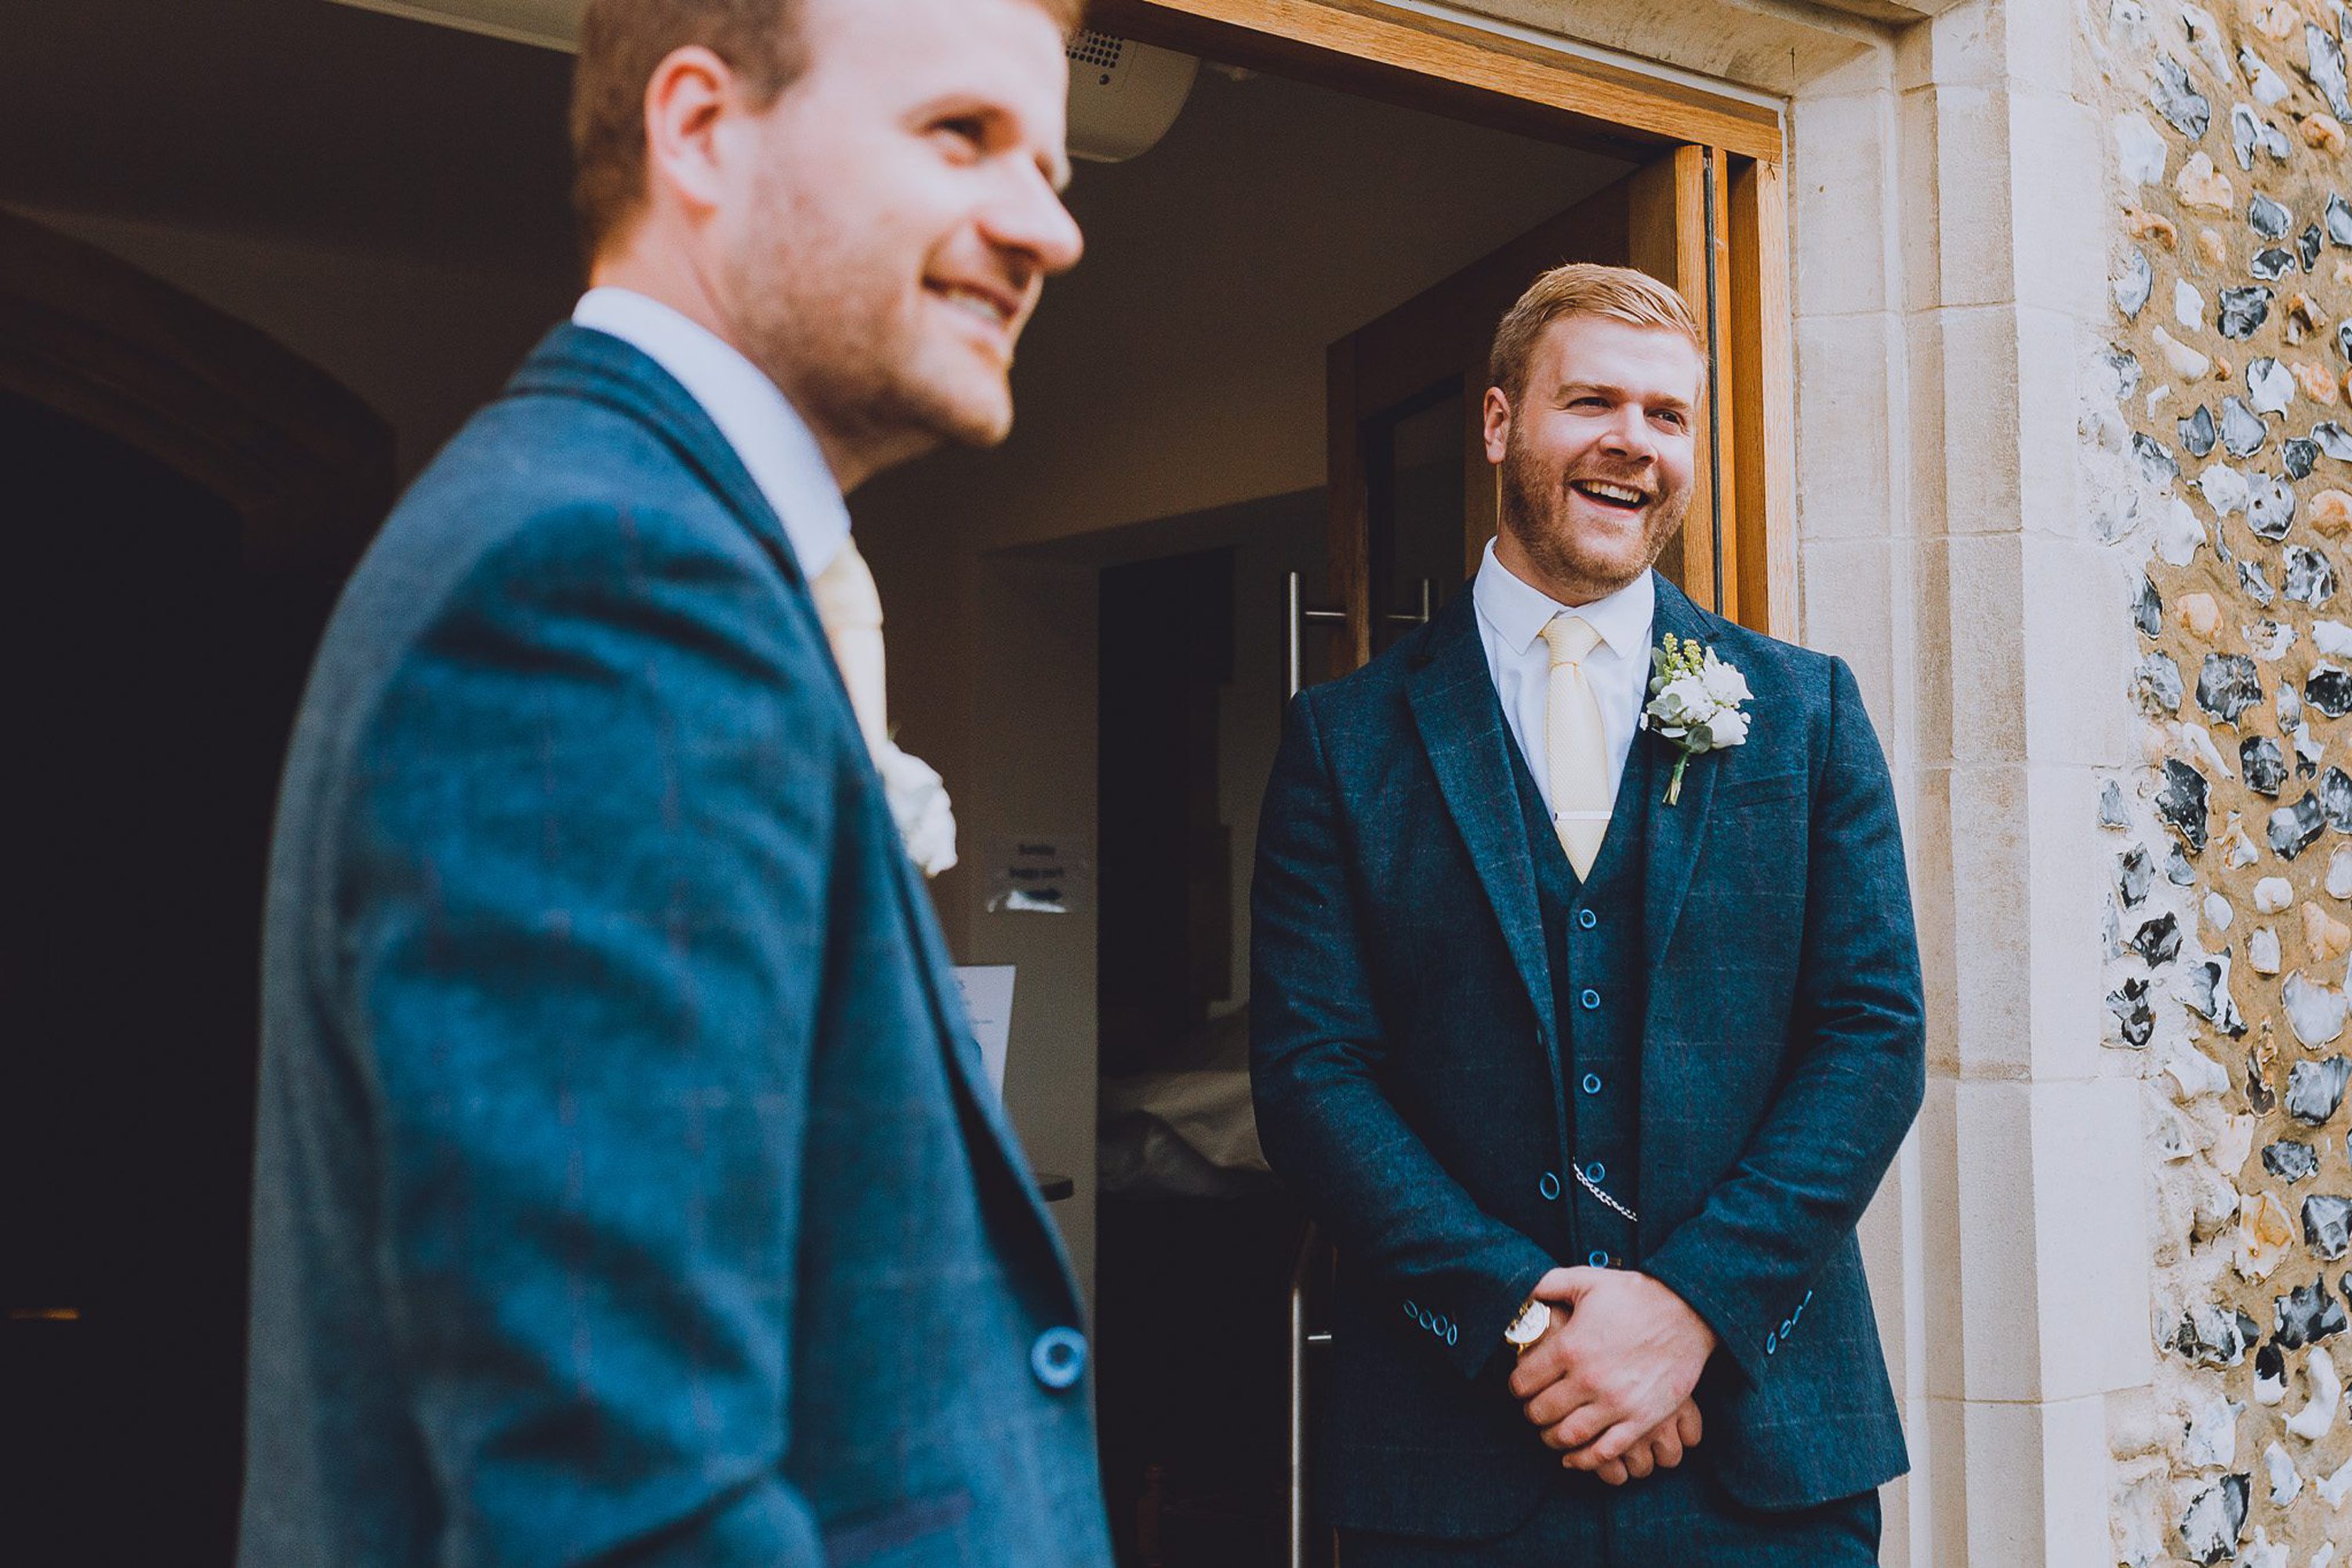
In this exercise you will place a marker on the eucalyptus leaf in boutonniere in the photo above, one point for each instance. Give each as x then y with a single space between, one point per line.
1694 701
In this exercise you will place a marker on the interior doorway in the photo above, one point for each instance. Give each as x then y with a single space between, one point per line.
184 498
1268 365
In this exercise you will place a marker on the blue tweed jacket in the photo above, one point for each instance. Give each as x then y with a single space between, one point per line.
627 1190
1406 1062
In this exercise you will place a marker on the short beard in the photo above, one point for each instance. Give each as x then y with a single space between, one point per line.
1532 503
847 361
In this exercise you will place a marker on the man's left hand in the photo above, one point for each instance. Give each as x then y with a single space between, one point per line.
1627 1358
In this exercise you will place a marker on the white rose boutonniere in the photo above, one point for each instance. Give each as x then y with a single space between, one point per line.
1694 701
919 803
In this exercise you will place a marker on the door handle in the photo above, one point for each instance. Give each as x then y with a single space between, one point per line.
1408 617
1300 613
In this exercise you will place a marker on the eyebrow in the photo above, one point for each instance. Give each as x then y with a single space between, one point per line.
1665 400
1053 164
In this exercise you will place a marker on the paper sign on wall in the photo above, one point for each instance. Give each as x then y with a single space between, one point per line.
1037 874
988 1002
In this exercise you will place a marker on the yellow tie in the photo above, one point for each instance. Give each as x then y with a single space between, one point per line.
851 613
1576 748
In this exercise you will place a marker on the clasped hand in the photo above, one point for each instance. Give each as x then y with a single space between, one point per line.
1608 1385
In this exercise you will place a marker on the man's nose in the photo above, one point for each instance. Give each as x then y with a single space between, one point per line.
1628 432
1030 218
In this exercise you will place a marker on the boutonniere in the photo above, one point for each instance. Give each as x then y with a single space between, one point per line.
1694 701
918 804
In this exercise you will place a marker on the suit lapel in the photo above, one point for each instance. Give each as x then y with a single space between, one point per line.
576 362
1461 724
1675 832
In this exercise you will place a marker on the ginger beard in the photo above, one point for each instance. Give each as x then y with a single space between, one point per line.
860 344
1582 541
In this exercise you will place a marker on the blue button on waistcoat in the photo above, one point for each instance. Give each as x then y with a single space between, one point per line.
1593 949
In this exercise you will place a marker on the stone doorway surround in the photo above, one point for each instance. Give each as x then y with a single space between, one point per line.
1950 234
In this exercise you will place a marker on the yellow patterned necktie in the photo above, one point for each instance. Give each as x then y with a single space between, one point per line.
850 610
1576 749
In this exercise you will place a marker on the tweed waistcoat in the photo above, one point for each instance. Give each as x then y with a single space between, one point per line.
1592 943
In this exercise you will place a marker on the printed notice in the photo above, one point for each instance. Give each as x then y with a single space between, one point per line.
1039 874
988 1000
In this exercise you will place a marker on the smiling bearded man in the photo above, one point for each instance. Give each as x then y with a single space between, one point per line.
629 1189
1590 1040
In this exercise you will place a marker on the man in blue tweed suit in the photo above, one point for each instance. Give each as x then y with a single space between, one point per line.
1589 1052
628 1188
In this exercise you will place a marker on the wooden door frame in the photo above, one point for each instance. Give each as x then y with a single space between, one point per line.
1705 157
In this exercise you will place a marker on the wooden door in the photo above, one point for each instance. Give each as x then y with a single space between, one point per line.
1412 495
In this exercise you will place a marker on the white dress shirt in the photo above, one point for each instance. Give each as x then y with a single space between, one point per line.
1512 616
770 437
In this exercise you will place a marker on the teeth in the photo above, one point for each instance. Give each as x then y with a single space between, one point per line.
1611 492
979 305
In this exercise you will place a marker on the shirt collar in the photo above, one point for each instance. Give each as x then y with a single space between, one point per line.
1518 611
769 435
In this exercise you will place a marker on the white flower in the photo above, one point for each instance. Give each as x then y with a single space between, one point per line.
1720 730
1680 704
919 803
1694 704
1725 685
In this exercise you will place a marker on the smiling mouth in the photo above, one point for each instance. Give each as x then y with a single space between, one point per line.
977 303
1616 497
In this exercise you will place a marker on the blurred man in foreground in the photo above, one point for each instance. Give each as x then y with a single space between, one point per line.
628 1190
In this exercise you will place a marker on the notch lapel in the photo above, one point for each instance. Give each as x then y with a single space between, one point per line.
1461 724
1675 832
580 362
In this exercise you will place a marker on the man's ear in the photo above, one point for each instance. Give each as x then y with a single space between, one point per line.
685 99
1498 424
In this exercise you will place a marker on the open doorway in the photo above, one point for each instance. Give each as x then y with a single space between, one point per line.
1177 401
1105 640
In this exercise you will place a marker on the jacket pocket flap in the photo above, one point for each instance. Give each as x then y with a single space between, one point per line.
1756 792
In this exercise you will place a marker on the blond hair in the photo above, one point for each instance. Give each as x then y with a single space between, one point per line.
1582 289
